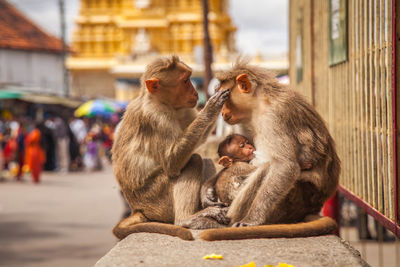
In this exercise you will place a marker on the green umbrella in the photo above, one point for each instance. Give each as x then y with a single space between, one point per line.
98 107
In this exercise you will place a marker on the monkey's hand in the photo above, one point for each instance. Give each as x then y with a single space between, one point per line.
210 199
242 224
215 103
218 214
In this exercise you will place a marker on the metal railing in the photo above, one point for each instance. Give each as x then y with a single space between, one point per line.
357 97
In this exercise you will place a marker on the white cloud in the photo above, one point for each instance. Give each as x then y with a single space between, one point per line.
262 26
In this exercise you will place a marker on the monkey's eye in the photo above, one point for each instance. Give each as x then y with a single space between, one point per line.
241 145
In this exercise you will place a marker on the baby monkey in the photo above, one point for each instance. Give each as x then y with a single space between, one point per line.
236 153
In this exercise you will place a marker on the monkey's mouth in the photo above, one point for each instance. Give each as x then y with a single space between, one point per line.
192 103
252 155
232 120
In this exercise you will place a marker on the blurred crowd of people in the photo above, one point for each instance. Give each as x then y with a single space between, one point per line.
53 144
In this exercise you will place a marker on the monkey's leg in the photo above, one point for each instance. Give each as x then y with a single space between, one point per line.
243 200
211 217
208 183
186 189
278 182
208 194
209 169
201 223
186 194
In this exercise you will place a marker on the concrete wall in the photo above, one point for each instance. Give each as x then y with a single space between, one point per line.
92 84
41 72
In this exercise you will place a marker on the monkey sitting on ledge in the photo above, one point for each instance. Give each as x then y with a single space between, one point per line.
153 153
285 127
236 153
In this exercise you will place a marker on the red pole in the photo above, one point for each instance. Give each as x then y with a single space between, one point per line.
331 209
394 110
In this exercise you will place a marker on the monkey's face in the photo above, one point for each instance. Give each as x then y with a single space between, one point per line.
184 95
238 107
232 113
240 149
175 90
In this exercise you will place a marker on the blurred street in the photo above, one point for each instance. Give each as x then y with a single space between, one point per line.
65 220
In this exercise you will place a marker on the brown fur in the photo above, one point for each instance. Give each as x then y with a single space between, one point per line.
235 153
315 227
221 189
153 156
231 180
288 130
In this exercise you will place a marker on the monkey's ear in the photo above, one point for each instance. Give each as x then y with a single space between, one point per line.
225 161
244 83
153 85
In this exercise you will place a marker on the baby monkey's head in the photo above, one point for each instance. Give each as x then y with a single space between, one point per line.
237 148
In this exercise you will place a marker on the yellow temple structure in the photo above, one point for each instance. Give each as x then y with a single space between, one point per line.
115 39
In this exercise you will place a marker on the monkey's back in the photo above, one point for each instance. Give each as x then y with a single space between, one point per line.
140 143
312 136
315 144
302 200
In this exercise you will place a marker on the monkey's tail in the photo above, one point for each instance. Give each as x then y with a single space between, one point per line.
154 227
313 226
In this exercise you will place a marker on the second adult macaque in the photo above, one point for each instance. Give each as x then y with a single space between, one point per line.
285 128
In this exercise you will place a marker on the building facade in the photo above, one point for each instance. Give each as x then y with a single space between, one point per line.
30 59
114 40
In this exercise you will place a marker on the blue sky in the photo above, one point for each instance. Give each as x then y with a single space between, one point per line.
262 24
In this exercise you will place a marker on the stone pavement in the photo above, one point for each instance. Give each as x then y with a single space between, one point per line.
67 219
64 221
145 249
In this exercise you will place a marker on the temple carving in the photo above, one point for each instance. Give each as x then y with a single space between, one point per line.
113 41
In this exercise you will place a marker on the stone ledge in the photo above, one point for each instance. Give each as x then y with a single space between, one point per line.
144 249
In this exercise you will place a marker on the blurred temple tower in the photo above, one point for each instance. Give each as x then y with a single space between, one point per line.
115 39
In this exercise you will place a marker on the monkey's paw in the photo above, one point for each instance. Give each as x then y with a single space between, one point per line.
211 199
215 103
218 214
208 203
242 224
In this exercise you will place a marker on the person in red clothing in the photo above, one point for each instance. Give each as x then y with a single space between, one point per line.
10 147
35 155
20 151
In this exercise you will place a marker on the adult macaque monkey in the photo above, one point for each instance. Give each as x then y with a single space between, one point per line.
153 158
286 129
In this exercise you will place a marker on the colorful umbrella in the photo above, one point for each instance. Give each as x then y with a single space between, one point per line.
122 104
98 107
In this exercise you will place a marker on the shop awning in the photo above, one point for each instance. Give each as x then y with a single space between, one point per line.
5 94
49 99
18 92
